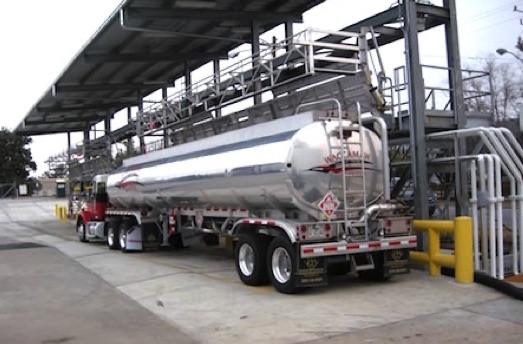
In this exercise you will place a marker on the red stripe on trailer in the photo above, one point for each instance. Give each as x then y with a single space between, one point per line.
413 241
352 246
308 251
271 223
395 243
330 249
374 244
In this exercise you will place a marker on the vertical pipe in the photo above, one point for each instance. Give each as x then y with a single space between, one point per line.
499 211
484 224
475 219
492 220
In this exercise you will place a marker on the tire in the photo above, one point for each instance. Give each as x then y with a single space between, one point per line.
378 273
250 258
113 239
122 237
281 263
80 231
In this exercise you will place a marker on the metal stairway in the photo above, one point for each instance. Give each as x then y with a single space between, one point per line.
285 68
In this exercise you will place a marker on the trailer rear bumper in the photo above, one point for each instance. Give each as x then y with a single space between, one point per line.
346 248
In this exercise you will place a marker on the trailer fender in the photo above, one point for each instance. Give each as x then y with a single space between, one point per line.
268 227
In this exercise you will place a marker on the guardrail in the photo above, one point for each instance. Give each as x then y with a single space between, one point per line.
462 260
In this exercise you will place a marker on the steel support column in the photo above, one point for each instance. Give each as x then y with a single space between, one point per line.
256 52
139 124
86 140
130 147
457 105
107 130
164 114
217 81
416 110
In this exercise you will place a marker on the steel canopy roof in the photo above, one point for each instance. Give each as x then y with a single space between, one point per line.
143 46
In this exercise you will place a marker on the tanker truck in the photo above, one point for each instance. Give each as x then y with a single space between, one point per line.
298 197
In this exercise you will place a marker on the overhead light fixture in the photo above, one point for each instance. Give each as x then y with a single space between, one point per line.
196 3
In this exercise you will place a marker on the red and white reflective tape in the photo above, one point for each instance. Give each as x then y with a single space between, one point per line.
259 222
315 250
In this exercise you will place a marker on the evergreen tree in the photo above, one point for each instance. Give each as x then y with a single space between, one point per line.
15 157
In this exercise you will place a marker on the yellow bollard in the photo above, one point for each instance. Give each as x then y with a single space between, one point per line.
56 211
64 214
463 250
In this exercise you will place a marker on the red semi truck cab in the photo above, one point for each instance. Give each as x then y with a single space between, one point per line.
90 222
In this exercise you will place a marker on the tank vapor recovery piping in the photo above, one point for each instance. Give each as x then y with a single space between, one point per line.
377 207
385 153
491 139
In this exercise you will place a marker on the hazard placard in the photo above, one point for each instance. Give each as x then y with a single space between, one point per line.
329 204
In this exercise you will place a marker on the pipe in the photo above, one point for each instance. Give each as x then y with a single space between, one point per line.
377 207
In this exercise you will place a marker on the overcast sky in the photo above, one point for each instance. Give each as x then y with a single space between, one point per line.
39 38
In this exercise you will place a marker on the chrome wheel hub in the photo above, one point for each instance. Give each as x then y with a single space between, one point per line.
281 265
246 259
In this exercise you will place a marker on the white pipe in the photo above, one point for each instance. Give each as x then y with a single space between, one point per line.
485 258
474 202
513 148
499 212
491 140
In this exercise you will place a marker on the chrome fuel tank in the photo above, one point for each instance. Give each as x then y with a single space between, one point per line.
289 163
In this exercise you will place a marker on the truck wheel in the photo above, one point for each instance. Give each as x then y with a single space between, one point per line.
250 259
113 240
122 237
281 261
80 230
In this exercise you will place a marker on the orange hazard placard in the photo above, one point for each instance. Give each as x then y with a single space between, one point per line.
329 204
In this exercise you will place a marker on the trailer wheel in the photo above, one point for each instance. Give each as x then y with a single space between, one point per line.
122 237
80 230
113 240
250 259
281 261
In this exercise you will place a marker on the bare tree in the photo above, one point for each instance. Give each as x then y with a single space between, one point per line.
500 94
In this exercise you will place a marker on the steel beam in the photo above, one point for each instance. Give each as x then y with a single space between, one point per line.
102 87
63 119
149 57
457 104
416 110
141 13
80 107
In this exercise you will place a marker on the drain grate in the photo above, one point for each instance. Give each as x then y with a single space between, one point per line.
19 245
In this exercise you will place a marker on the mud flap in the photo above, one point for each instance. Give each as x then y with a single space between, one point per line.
151 237
312 272
397 262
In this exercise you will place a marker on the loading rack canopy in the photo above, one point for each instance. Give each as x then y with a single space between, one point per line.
145 45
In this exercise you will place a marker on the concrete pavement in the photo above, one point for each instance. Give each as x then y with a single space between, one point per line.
197 291
46 297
